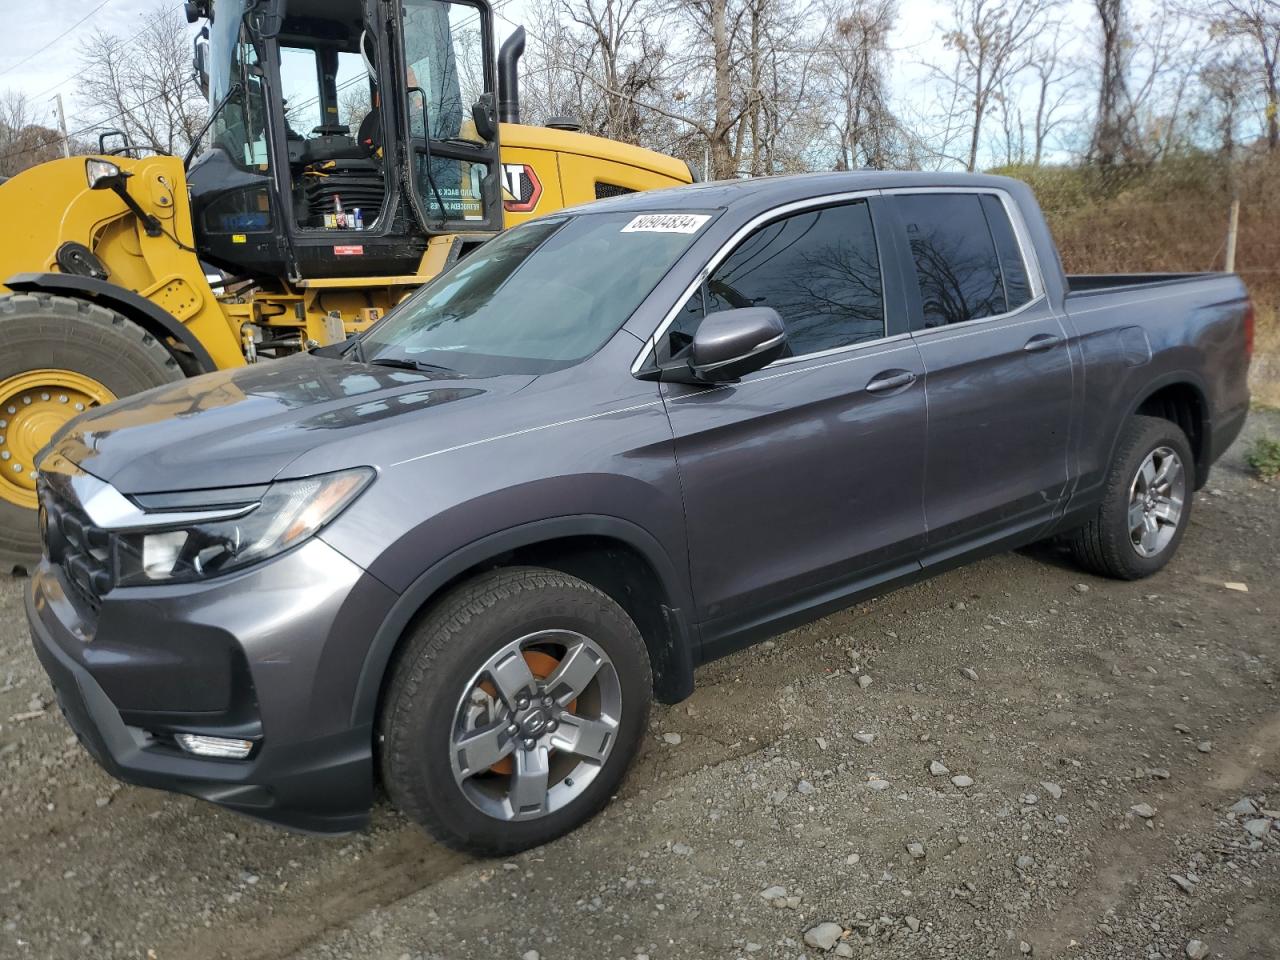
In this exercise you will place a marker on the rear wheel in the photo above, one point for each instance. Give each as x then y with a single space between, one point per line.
58 358
1146 503
514 711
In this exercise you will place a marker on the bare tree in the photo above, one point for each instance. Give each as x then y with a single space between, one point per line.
1109 134
23 142
1145 72
598 61
1055 88
993 41
1222 83
853 58
1255 26
144 85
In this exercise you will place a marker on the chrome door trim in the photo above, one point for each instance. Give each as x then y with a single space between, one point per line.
965 328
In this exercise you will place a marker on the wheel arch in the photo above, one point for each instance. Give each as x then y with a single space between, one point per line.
1180 398
615 555
157 322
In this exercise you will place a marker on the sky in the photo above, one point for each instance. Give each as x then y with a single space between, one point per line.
35 31
39 60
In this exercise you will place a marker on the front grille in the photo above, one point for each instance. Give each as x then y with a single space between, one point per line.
74 544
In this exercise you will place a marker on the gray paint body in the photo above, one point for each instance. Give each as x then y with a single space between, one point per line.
758 504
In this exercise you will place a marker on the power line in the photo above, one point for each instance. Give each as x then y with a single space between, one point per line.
30 57
129 39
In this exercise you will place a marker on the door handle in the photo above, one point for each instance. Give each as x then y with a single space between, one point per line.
890 380
1041 342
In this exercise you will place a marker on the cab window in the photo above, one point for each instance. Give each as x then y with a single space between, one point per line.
819 269
967 260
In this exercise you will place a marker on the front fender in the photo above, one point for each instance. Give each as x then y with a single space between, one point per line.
673 672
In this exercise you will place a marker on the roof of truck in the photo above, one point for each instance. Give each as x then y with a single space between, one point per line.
773 191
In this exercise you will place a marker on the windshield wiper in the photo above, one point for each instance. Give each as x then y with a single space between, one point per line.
404 363
198 139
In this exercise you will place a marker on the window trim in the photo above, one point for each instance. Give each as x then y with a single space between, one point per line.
647 351
1026 249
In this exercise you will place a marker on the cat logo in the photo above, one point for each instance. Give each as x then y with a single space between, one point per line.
521 188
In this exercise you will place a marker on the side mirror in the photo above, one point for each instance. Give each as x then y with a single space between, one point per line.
730 344
199 60
485 114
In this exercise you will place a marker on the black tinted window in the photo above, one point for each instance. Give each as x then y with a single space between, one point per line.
955 257
820 271
1017 288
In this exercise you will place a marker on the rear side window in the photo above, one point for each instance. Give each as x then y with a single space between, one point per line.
819 269
962 274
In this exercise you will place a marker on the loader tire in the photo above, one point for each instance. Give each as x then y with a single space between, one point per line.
59 356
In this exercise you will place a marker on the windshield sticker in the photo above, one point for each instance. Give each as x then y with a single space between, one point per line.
667 223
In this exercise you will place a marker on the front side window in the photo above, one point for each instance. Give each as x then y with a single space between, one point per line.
968 263
538 298
240 128
819 269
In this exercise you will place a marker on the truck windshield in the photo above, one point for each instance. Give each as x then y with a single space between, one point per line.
538 298
240 128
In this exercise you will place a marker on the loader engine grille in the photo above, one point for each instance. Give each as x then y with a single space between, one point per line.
606 190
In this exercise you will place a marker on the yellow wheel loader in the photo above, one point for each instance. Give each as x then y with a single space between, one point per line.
355 148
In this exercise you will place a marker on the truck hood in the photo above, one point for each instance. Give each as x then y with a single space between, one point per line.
246 426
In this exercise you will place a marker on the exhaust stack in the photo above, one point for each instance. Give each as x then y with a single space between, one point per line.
509 77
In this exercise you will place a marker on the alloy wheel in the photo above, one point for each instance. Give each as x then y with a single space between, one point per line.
535 725
1156 498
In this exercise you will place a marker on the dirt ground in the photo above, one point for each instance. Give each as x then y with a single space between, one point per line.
1087 698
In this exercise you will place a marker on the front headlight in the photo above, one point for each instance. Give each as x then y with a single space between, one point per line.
289 512
100 174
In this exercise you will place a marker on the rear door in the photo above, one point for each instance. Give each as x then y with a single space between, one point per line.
997 366
803 479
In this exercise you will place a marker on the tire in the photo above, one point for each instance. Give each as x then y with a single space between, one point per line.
76 341
444 688
1107 544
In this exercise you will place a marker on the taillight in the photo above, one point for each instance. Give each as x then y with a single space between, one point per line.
1248 330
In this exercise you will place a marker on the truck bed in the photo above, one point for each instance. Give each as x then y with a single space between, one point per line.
1086 283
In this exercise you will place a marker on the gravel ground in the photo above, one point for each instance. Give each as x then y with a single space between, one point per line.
1111 785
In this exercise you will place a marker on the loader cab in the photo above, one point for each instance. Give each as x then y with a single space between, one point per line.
347 133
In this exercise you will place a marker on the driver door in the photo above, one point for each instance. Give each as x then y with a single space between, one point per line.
447 67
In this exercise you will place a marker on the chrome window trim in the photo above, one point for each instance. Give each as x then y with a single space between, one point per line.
796 206
1026 250
931 332
837 351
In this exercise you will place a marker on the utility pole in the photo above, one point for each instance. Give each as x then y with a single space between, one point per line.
1233 231
62 126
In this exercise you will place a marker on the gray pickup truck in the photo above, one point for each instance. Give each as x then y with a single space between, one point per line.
464 552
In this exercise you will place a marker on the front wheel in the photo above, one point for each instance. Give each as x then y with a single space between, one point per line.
58 357
1146 503
514 710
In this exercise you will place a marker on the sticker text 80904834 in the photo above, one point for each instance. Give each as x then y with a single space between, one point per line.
667 223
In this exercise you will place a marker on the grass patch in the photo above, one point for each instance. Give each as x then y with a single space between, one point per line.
1264 458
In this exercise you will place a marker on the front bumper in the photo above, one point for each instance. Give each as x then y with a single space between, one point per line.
289 630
